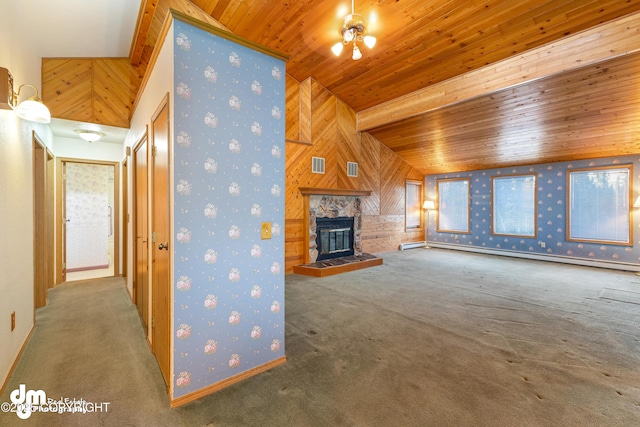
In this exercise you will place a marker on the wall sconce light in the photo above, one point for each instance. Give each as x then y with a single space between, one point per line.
89 135
428 205
637 203
32 109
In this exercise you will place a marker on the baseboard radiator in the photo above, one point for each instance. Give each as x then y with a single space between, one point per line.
541 257
411 245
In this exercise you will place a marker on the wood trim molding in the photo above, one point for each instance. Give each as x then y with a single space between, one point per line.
145 16
187 398
612 39
222 32
307 191
298 142
306 218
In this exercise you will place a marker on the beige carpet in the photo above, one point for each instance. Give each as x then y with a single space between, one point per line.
430 338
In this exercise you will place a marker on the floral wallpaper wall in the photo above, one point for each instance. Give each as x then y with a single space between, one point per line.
87 204
229 178
551 222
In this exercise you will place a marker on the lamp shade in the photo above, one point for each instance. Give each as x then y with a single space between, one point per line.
33 111
370 41
337 49
637 203
428 205
356 53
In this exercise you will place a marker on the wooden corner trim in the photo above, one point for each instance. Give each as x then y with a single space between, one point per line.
187 398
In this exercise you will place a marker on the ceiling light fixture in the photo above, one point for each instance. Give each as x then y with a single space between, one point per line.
89 135
352 31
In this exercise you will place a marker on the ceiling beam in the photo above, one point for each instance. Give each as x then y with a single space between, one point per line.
614 38
145 16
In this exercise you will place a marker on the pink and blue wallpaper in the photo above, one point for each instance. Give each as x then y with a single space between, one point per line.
86 204
229 178
551 221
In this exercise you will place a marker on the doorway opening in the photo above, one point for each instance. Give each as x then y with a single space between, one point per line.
89 219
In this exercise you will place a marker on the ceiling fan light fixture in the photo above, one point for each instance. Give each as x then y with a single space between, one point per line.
353 31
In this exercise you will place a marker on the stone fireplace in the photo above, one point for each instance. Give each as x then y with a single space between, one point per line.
344 209
333 204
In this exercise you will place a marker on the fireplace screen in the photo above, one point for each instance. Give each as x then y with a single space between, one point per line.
334 237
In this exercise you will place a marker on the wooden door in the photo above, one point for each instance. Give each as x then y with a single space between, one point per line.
140 230
160 252
40 242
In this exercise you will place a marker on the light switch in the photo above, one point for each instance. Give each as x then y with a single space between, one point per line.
266 230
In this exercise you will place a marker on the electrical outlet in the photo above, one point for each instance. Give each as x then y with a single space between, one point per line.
543 245
13 320
266 230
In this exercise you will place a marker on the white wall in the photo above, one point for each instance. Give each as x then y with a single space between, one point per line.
19 55
159 84
76 148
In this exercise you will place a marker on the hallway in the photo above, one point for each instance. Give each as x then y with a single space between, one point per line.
429 338
89 344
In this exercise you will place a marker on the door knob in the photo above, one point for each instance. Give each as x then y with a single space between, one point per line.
164 246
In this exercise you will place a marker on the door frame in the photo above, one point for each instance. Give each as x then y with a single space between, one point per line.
124 165
61 273
51 223
140 291
41 248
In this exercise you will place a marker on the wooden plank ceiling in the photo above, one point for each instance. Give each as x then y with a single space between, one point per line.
582 112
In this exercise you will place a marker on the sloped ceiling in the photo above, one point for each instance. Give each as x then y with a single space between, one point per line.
425 44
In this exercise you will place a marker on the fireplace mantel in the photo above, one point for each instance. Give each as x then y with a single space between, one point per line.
307 191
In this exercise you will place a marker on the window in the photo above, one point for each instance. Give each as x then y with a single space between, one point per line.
514 205
598 208
453 205
413 205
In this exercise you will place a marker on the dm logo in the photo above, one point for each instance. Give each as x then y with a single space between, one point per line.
25 400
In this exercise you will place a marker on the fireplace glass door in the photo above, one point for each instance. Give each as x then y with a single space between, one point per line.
334 237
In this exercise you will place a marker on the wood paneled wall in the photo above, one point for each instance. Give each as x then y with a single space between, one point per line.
333 136
96 90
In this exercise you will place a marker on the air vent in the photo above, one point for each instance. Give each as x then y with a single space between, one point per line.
352 169
317 165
